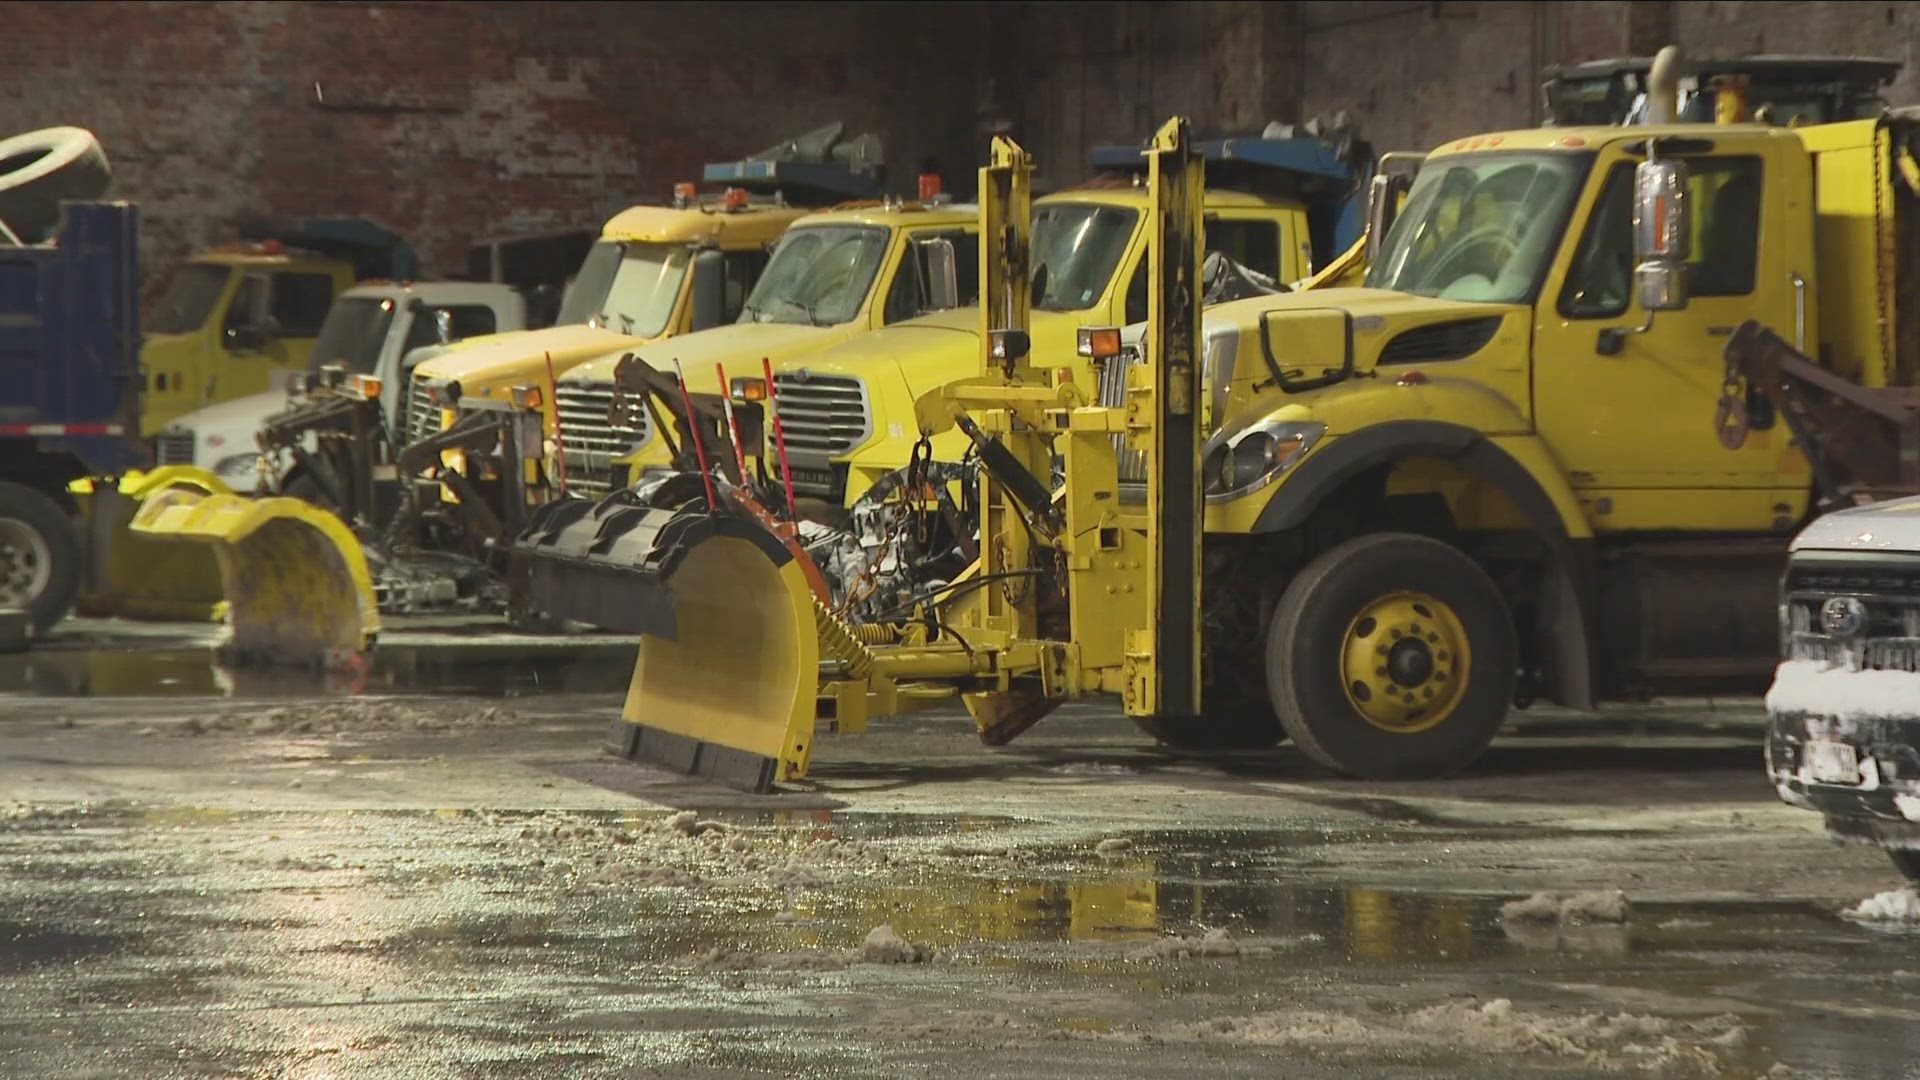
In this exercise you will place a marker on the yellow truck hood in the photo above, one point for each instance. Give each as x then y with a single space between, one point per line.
740 346
933 350
505 360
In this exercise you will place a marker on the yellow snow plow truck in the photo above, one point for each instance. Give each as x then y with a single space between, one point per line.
1520 461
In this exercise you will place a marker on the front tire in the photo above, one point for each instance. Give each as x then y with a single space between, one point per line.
40 565
1392 657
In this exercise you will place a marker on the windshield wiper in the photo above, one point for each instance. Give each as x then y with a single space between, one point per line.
805 309
626 321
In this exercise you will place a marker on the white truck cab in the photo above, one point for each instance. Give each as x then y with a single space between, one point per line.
372 329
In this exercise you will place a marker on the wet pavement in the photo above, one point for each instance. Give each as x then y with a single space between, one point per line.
198 881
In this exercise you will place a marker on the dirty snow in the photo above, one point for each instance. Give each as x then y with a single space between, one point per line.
1113 846
1092 768
1814 686
1214 943
337 717
882 946
1618 1042
682 850
1596 906
1892 906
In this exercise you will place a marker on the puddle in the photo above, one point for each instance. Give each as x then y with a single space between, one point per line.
504 667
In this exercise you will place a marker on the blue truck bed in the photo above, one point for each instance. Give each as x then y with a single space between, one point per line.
69 348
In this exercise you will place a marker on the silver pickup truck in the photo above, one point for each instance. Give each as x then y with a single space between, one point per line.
1844 709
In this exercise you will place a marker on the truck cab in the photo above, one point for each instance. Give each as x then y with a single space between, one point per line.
371 329
233 321
656 272
835 276
1520 442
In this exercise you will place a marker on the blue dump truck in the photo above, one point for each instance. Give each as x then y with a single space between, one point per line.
69 395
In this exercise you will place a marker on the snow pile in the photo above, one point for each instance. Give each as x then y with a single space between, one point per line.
1620 1042
1893 906
1092 768
882 946
1598 906
347 715
1214 943
683 850
1814 686
1113 847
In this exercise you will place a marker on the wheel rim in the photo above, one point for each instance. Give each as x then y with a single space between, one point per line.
1404 662
26 563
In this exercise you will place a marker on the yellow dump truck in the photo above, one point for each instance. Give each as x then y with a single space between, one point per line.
242 318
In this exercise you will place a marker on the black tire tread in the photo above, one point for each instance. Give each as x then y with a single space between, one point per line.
48 518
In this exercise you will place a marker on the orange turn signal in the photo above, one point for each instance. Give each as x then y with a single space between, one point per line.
367 386
1099 342
524 397
749 388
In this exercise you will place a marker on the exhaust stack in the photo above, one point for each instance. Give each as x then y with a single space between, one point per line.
1663 86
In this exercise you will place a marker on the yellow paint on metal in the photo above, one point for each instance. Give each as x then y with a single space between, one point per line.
1405 662
147 578
745 665
294 577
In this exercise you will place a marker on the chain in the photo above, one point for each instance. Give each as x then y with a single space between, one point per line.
1883 277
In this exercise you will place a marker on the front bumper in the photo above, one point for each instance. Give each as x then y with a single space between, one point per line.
1874 713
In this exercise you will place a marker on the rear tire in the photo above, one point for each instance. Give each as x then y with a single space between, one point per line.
1392 657
40 559
1907 861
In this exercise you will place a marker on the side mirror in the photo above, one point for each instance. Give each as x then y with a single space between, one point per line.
709 289
943 279
1039 283
1383 204
1662 234
244 337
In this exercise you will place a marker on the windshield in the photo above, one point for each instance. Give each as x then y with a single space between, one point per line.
189 298
1079 246
1479 227
818 276
355 329
627 287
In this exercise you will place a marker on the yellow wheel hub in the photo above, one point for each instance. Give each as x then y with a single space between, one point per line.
1405 662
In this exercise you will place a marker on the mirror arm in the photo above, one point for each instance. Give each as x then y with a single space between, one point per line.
1614 338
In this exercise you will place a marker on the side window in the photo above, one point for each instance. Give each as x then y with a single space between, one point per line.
300 303
1137 295
1252 244
742 269
468 320
911 292
1725 193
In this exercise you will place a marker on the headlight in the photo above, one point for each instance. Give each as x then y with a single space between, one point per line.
236 466
1254 457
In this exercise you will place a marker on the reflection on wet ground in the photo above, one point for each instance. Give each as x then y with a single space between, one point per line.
479 668
475 942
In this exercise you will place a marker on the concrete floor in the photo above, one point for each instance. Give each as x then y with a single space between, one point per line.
196 884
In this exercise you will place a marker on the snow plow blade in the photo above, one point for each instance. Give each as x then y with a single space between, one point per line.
295 581
139 577
725 683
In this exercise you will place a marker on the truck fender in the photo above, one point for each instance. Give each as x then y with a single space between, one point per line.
1567 620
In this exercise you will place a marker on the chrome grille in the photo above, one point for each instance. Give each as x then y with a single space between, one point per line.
174 448
423 416
590 438
822 417
1890 593
1113 395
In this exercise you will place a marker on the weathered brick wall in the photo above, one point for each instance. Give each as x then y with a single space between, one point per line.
455 121
449 122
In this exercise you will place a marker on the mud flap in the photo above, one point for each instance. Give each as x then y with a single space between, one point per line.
297 589
726 680
134 576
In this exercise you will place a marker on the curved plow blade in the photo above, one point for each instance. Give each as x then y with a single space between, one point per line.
295 580
726 680
140 577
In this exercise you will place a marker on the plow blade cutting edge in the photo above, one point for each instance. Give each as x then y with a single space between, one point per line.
725 683
296 584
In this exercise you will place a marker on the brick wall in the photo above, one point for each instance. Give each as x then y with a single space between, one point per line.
454 121
449 122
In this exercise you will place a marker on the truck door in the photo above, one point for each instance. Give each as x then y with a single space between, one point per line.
1630 413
